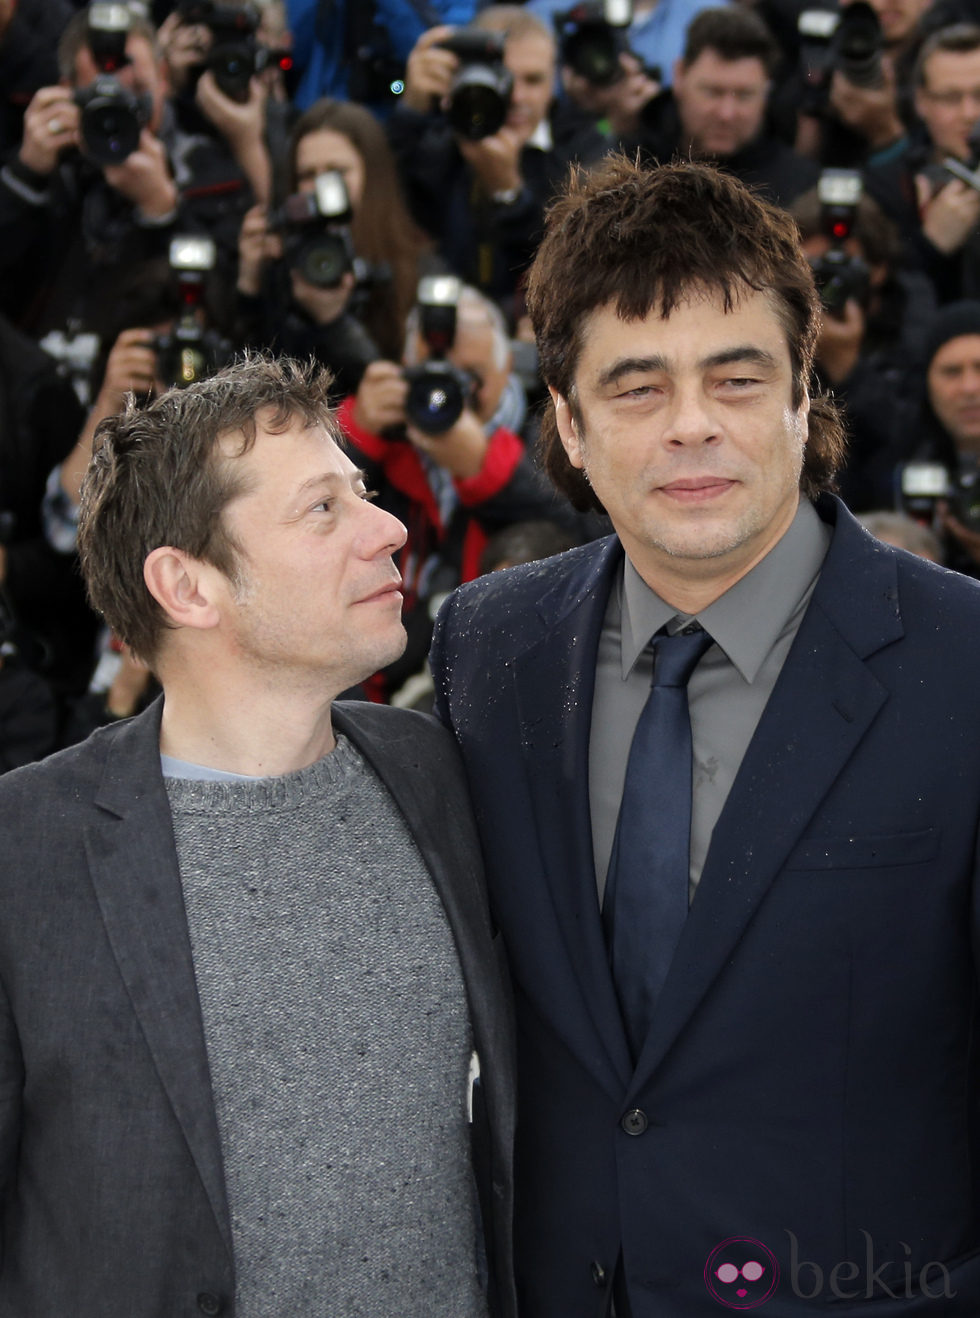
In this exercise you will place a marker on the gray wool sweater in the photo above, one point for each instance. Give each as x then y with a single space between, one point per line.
339 1045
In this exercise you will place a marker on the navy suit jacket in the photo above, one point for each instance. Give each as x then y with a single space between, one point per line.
810 1079
112 1189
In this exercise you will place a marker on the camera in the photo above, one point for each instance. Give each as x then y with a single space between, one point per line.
591 38
839 276
190 351
847 41
479 97
316 233
857 46
235 55
964 495
111 117
437 390
923 484
966 172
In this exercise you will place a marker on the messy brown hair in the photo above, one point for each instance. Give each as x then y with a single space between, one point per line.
642 239
158 477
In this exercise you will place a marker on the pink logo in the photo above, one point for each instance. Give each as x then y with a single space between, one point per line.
741 1273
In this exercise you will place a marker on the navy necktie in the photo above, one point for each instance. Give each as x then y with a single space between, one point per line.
645 902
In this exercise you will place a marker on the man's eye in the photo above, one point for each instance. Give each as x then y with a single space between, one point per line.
367 495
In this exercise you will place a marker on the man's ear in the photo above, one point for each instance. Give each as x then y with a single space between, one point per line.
568 430
182 586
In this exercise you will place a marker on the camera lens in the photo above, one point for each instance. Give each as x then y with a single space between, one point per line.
323 261
479 102
233 66
593 53
435 399
110 131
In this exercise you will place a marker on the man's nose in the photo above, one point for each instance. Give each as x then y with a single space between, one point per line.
689 420
380 532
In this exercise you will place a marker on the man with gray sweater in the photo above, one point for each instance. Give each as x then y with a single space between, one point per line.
254 1050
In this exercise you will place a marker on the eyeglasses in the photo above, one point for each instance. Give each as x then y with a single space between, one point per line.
952 99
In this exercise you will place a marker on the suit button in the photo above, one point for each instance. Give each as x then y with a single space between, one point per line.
635 1121
209 1303
598 1273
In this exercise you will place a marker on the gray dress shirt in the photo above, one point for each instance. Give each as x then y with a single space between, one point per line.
752 625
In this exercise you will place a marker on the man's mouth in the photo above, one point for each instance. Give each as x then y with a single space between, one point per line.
697 489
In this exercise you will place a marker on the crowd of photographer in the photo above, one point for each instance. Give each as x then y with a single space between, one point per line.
366 185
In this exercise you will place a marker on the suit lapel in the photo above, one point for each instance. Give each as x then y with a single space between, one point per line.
554 682
395 757
823 703
133 866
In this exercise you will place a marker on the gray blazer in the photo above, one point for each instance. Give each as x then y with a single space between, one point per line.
114 1202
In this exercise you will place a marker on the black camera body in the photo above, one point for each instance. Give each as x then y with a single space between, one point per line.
592 36
848 41
921 485
316 236
479 97
840 277
112 117
438 391
190 350
967 171
235 55
858 45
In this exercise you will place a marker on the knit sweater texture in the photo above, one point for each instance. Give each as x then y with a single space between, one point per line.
339 1045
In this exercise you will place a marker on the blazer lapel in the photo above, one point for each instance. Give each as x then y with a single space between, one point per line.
133 866
554 683
395 758
821 707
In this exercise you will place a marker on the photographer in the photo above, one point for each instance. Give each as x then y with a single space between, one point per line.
655 36
143 356
851 89
75 213
478 189
716 109
871 331
342 291
452 482
945 434
936 212
230 126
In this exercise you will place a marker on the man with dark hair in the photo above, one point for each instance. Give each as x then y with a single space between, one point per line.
725 775
483 200
937 213
253 1044
716 109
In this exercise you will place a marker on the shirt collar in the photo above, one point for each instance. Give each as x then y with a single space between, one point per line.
748 619
542 137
